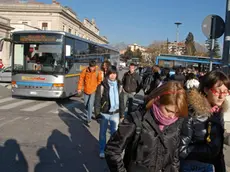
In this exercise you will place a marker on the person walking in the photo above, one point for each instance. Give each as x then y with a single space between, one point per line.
202 135
89 79
151 137
109 105
131 85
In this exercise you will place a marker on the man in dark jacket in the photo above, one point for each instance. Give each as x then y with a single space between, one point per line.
131 85
178 76
109 104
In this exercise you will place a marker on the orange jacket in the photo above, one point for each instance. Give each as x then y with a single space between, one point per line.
89 80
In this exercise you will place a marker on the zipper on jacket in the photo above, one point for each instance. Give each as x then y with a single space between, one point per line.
103 104
209 132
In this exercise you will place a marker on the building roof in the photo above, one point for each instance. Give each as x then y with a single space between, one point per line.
20 2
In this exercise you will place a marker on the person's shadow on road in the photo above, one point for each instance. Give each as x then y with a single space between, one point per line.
77 152
11 157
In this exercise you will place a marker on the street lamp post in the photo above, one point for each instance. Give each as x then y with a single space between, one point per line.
177 34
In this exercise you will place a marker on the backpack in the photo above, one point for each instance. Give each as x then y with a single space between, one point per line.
146 82
130 152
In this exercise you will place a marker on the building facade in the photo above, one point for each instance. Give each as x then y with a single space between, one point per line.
19 15
134 47
52 16
176 48
145 55
5 30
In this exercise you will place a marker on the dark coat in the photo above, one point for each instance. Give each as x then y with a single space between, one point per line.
155 80
102 100
178 77
131 82
194 145
156 150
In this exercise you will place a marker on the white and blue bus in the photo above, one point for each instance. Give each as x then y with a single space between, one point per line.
172 61
48 63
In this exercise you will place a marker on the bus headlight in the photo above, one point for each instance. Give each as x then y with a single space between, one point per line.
58 86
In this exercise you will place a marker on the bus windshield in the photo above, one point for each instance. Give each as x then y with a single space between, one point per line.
38 58
38 54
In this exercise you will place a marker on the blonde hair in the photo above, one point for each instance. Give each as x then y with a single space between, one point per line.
170 93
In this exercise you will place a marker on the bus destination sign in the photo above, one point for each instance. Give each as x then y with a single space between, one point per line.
39 38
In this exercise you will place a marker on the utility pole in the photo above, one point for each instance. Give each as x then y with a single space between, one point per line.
177 34
225 55
213 30
167 45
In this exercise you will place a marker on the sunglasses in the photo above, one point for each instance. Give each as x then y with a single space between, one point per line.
218 93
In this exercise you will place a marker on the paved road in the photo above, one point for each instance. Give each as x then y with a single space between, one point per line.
47 136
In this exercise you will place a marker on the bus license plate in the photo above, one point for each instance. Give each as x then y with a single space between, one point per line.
33 93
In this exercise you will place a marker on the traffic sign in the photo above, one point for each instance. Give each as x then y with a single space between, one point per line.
213 26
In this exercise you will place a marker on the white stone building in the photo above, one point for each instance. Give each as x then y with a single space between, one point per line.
49 17
17 15
134 47
145 55
4 45
176 48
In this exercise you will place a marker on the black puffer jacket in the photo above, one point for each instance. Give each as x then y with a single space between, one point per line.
156 150
195 134
102 101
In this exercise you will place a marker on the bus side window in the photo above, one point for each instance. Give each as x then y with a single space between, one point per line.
69 55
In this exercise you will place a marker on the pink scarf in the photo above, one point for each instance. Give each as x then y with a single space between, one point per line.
215 109
161 119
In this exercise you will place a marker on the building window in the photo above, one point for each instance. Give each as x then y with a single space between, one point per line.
44 26
24 22
70 30
63 27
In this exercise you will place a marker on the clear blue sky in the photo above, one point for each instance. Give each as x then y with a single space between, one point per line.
143 21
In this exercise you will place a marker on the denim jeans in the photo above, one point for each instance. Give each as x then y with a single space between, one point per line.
128 97
196 166
113 120
89 103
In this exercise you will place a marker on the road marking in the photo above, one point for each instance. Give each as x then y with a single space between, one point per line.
10 121
2 119
65 107
86 169
38 106
6 99
13 105
26 119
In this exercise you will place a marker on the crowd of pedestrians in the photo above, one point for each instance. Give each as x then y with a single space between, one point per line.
179 127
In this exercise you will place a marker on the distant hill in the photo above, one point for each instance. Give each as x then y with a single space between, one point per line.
120 46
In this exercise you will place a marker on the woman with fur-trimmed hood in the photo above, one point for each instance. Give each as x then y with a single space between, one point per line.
203 131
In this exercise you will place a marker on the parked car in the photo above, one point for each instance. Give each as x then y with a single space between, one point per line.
6 73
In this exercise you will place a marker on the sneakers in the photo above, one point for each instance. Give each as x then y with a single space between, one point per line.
102 155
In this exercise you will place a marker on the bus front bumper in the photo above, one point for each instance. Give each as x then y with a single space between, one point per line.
38 93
